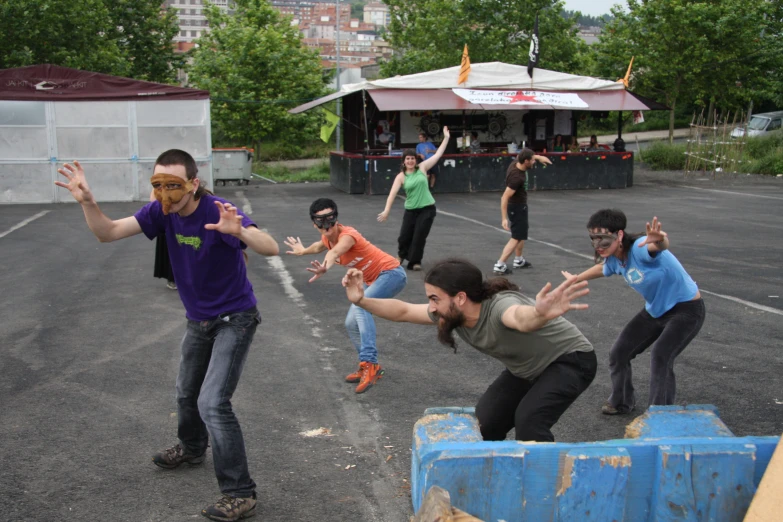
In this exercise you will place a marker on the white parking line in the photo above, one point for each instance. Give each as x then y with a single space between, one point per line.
731 192
25 222
507 232
246 208
722 296
746 303
277 264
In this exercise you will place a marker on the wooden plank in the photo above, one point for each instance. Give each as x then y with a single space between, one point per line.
437 508
767 504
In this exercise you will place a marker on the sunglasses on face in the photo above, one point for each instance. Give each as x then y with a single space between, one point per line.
602 241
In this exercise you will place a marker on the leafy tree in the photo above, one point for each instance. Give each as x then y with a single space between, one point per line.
688 50
71 33
144 33
357 9
121 37
255 67
430 34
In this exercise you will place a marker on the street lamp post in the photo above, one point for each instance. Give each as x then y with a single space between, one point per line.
337 66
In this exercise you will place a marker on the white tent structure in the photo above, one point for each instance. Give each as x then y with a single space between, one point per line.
492 86
491 75
116 127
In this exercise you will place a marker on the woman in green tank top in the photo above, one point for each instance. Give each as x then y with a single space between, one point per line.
419 204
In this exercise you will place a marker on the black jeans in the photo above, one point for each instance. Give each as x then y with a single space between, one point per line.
668 335
534 406
416 225
213 355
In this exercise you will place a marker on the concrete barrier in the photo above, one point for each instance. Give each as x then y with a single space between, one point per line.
677 463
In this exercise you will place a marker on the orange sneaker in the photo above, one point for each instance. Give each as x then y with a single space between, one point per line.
355 376
370 373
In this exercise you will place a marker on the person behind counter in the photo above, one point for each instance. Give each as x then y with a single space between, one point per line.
475 144
558 145
424 151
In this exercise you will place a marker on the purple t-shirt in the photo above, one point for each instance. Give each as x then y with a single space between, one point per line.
208 266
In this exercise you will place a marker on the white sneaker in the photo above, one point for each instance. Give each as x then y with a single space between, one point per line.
501 269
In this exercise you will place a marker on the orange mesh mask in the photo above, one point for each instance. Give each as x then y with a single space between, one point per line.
169 189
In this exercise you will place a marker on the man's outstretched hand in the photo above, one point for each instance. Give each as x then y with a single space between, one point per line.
77 183
230 221
551 304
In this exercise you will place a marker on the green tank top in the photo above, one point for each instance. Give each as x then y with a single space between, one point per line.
417 191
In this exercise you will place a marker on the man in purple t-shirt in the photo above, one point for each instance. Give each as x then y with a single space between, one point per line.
206 236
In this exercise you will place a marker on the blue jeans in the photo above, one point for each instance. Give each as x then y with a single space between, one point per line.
359 322
213 354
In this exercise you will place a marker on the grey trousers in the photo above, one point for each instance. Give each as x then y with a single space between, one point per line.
667 335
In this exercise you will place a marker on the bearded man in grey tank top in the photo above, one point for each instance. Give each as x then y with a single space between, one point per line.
548 361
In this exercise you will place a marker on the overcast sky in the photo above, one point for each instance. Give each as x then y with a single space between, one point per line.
592 7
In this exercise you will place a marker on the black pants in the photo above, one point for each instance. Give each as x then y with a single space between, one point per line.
533 407
416 225
668 335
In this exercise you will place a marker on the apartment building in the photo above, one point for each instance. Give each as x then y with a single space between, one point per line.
191 18
304 12
359 40
377 14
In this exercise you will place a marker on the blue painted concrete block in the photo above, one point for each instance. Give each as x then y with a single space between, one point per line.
678 463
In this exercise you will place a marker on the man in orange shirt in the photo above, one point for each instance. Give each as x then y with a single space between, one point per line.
382 273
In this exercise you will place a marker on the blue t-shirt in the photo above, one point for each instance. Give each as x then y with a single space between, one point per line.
661 280
427 149
208 266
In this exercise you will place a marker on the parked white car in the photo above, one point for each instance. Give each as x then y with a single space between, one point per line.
760 124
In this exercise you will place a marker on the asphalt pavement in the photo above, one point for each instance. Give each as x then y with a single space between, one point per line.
89 348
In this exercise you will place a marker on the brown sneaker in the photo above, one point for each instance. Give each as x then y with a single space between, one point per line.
173 457
608 409
230 508
355 376
370 373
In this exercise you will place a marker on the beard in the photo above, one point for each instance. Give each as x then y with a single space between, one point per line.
446 325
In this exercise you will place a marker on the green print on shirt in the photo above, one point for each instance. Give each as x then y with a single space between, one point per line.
193 241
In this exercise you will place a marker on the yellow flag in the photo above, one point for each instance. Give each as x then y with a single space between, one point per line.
328 128
464 70
624 81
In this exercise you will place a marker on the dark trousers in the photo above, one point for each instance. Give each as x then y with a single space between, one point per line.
416 225
668 335
213 355
162 263
534 406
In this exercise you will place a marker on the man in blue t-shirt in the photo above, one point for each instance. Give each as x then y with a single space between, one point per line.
425 149
206 237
